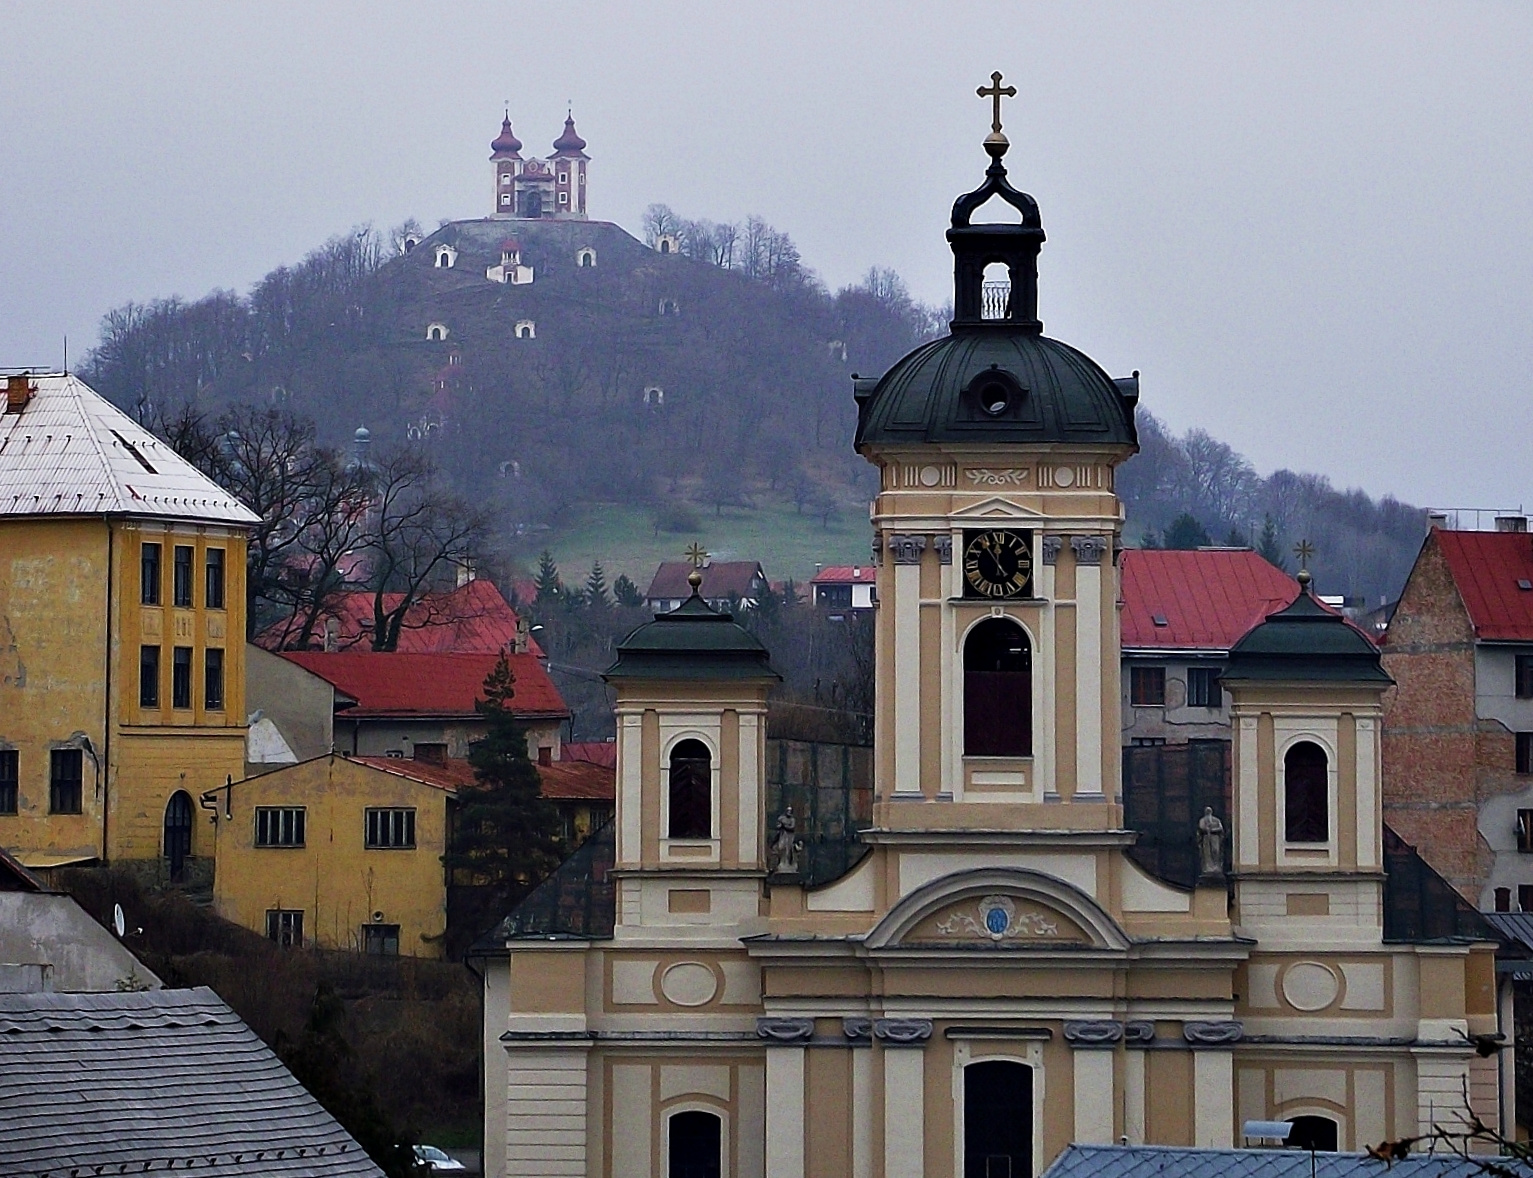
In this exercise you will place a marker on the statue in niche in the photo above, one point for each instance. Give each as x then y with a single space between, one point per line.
1210 845
785 844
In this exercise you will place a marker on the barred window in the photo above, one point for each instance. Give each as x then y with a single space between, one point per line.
279 826
181 677
10 776
390 828
1203 689
149 574
183 576
285 926
213 591
149 676
213 679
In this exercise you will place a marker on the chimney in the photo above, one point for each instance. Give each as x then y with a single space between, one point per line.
519 644
1511 523
18 391
1437 519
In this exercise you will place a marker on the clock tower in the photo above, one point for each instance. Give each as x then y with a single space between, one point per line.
996 528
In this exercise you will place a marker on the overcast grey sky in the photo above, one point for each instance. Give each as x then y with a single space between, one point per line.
1308 225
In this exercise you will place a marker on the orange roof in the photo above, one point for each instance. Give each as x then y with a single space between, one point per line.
561 781
411 685
1199 600
846 574
1494 575
472 619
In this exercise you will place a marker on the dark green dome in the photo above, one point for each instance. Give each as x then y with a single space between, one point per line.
1306 641
692 641
996 377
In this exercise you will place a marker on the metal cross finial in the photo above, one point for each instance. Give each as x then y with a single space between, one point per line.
696 556
995 91
1304 550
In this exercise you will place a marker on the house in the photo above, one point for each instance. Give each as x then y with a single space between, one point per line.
1458 729
145 1081
1181 612
724 581
346 852
844 587
122 626
421 706
989 972
292 715
49 943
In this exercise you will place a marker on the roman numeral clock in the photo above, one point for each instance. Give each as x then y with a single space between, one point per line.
998 564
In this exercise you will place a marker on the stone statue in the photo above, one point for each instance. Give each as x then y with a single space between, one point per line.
1210 844
785 844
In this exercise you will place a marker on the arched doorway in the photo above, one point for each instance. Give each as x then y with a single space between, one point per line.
1314 1133
696 1144
178 831
997 691
691 791
997 1120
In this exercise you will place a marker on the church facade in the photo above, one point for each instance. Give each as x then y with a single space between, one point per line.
533 189
997 973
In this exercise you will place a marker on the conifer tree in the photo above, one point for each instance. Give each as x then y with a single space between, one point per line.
548 584
625 592
1269 547
596 588
1186 533
507 835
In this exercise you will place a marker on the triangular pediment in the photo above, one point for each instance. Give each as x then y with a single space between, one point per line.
996 508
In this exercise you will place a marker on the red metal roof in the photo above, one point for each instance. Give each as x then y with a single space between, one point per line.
562 781
448 775
472 619
387 685
722 578
846 574
1486 567
597 752
1206 599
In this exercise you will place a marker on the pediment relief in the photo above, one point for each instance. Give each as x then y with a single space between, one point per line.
997 919
995 508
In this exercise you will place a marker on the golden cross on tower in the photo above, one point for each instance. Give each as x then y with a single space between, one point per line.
696 556
996 92
1304 550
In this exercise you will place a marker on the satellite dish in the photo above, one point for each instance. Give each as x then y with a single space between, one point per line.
119 921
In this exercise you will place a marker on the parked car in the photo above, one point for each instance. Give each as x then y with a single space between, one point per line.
438 1161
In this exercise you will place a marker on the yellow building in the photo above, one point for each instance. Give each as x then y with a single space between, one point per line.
122 627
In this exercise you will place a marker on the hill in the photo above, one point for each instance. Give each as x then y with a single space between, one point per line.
627 401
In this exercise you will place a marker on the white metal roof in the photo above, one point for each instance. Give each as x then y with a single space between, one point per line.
71 452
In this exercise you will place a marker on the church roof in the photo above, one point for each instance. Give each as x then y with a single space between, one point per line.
1176 1161
1306 641
569 142
70 451
506 143
693 641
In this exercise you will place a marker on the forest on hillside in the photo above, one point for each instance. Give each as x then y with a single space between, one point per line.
717 378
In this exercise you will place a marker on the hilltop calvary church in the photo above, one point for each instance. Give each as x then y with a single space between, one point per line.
993 972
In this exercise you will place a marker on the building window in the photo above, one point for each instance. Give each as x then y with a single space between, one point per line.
1525 897
691 791
1524 676
390 828
66 772
381 940
505 197
997 1118
1503 901
279 826
997 691
213 591
149 574
10 780
213 679
285 927
181 677
149 676
505 182
696 1147
1525 752
183 577
564 198
1317 1134
1203 689
1147 687
1306 793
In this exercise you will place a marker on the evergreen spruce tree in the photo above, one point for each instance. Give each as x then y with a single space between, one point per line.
1186 533
1270 549
596 588
625 592
548 583
507 835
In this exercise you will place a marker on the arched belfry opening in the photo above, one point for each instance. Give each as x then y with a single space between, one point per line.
1306 793
997 690
1313 1132
696 1147
691 791
997 1119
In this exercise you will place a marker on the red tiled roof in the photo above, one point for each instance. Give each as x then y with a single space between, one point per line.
846 574
473 618
578 781
429 684
720 579
597 752
1486 567
1208 599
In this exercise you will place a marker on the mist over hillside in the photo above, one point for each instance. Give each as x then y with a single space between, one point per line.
712 378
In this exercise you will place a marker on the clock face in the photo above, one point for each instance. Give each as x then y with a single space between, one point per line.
997 563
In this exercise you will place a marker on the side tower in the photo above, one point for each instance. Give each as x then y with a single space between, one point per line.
506 156
569 162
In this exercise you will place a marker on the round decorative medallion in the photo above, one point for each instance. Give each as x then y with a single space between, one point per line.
1064 476
997 913
689 983
1310 986
930 476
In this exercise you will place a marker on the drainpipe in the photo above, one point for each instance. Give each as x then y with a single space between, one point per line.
106 725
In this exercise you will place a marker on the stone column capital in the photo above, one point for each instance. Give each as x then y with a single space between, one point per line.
1093 1032
944 546
1051 547
1089 550
902 1032
1213 1034
907 549
790 1032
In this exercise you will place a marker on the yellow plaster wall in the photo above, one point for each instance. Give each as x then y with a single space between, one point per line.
334 879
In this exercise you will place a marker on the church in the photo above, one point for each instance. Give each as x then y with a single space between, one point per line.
1002 963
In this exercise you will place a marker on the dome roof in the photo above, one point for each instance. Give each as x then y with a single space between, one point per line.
693 641
1306 641
506 143
996 377
569 143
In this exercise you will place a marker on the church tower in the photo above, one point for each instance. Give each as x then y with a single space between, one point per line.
569 162
506 155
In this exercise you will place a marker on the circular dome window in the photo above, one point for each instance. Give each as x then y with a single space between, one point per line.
995 392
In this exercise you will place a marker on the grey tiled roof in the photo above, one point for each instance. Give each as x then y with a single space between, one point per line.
131 1081
1155 1161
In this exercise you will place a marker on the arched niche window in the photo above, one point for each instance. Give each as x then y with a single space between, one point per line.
178 831
1314 1133
526 329
586 258
697 1141
1306 793
691 791
997 691
995 292
997 1119
436 332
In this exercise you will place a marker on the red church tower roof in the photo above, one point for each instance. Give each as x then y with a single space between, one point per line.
569 143
506 143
